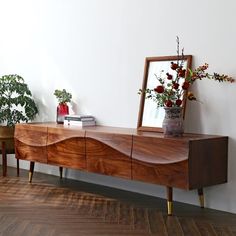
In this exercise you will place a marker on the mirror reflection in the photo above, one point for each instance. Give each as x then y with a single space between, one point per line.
151 116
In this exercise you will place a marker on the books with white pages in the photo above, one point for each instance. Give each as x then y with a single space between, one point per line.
80 123
79 118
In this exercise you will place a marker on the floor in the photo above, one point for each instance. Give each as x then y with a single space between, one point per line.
51 206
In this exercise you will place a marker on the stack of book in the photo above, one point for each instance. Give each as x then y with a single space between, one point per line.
80 120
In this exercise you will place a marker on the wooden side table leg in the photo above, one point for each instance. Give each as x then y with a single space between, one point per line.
18 167
4 159
61 171
201 197
169 201
31 171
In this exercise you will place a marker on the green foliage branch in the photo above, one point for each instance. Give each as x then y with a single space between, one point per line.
16 102
62 96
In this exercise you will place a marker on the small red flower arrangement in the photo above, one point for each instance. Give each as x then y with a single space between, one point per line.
172 88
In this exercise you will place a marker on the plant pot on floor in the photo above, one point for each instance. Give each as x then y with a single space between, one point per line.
7 135
7 146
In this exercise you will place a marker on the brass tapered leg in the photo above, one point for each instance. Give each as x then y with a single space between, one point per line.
30 176
169 208
31 171
169 201
61 171
201 197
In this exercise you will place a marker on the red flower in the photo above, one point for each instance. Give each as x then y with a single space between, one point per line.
178 102
169 76
175 85
181 73
185 85
159 89
174 66
169 103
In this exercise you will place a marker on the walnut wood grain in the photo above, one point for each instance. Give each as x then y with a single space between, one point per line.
208 162
61 133
192 161
159 150
175 174
66 147
160 161
32 135
30 142
109 154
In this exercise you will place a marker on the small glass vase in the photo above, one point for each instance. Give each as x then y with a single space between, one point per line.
62 110
173 122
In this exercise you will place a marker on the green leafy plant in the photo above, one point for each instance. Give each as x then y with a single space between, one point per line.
172 87
16 102
62 96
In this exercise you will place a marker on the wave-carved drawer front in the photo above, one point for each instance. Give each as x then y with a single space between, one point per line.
109 154
160 161
66 148
30 153
56 135
30 142
31 135
175 174
159 150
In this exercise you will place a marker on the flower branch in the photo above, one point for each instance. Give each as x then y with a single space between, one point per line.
172 87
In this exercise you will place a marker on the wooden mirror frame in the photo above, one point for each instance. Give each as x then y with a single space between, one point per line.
148 60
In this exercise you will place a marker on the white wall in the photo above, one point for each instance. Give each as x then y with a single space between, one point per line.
96 49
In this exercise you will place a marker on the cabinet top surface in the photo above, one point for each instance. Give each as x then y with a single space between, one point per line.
117 130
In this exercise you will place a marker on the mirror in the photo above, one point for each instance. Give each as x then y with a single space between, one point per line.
150 116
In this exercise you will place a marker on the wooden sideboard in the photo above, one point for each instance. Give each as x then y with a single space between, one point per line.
193 161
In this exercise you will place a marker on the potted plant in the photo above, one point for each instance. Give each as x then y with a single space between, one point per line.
63 98
16 102
16 105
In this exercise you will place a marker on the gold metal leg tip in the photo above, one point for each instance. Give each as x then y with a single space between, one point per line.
30 176
201 200
169 208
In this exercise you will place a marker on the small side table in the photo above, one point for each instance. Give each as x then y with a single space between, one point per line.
5 151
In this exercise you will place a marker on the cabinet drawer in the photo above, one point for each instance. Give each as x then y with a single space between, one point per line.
66 147
30 142
109 154
173 175
160 161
